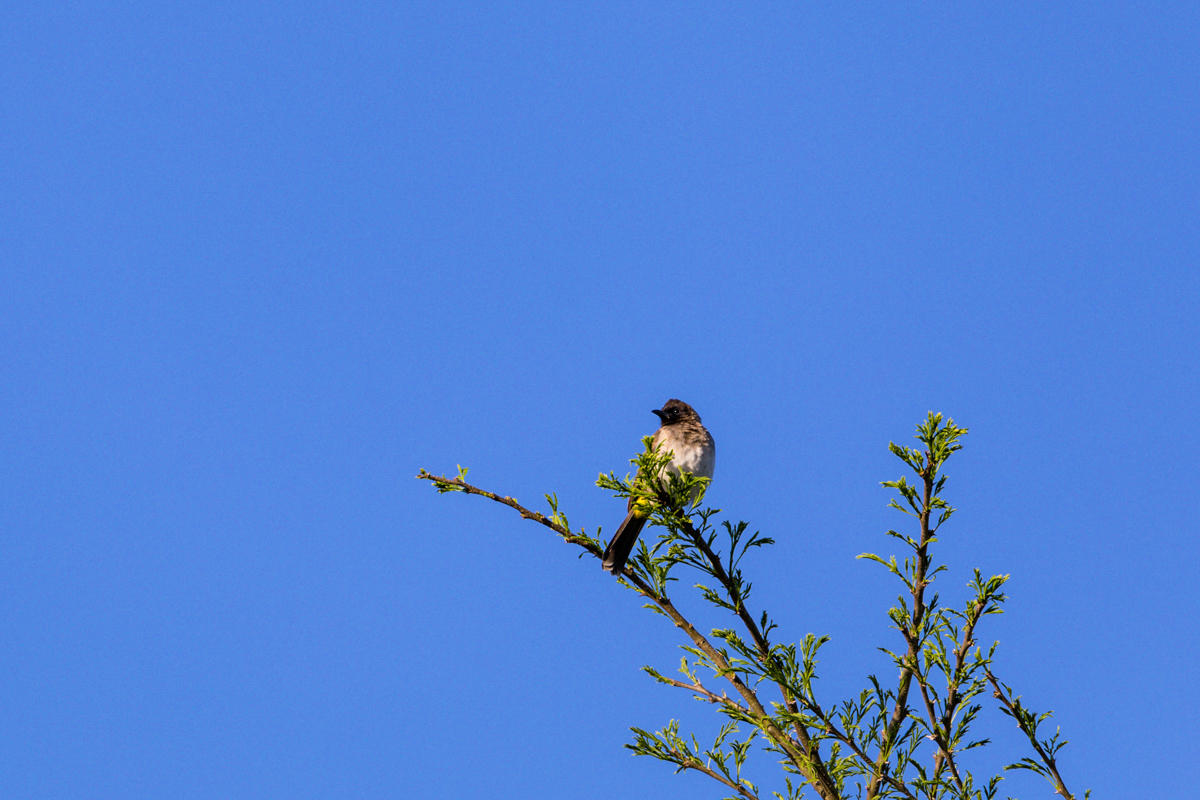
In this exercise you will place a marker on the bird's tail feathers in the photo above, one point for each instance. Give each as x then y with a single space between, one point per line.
618 550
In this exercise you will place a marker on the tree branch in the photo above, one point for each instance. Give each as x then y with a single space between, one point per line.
763 646
699 688
848 740
699 766
445 484
1021 716
800 759
953 695
912 634
941 737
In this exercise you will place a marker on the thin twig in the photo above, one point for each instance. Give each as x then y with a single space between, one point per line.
699 766
466 488
941 737
1047 759
700 689
953 696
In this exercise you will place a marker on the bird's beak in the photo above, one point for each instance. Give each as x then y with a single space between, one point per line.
661 414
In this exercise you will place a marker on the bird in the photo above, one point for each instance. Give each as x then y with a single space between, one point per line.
694 451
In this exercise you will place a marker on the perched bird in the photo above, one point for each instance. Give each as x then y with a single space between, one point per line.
694 451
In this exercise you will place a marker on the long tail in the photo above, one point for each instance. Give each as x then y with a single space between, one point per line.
622 543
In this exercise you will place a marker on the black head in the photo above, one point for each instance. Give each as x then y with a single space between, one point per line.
676 411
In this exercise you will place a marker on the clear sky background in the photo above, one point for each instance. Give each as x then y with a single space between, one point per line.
264 261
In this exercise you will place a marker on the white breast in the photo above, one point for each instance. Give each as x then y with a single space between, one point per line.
696 460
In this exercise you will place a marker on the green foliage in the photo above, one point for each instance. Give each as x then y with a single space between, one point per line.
888 741
723 761
1028 721
444 484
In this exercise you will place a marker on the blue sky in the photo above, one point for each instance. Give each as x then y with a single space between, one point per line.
265 261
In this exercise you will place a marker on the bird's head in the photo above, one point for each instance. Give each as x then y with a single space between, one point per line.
674 411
